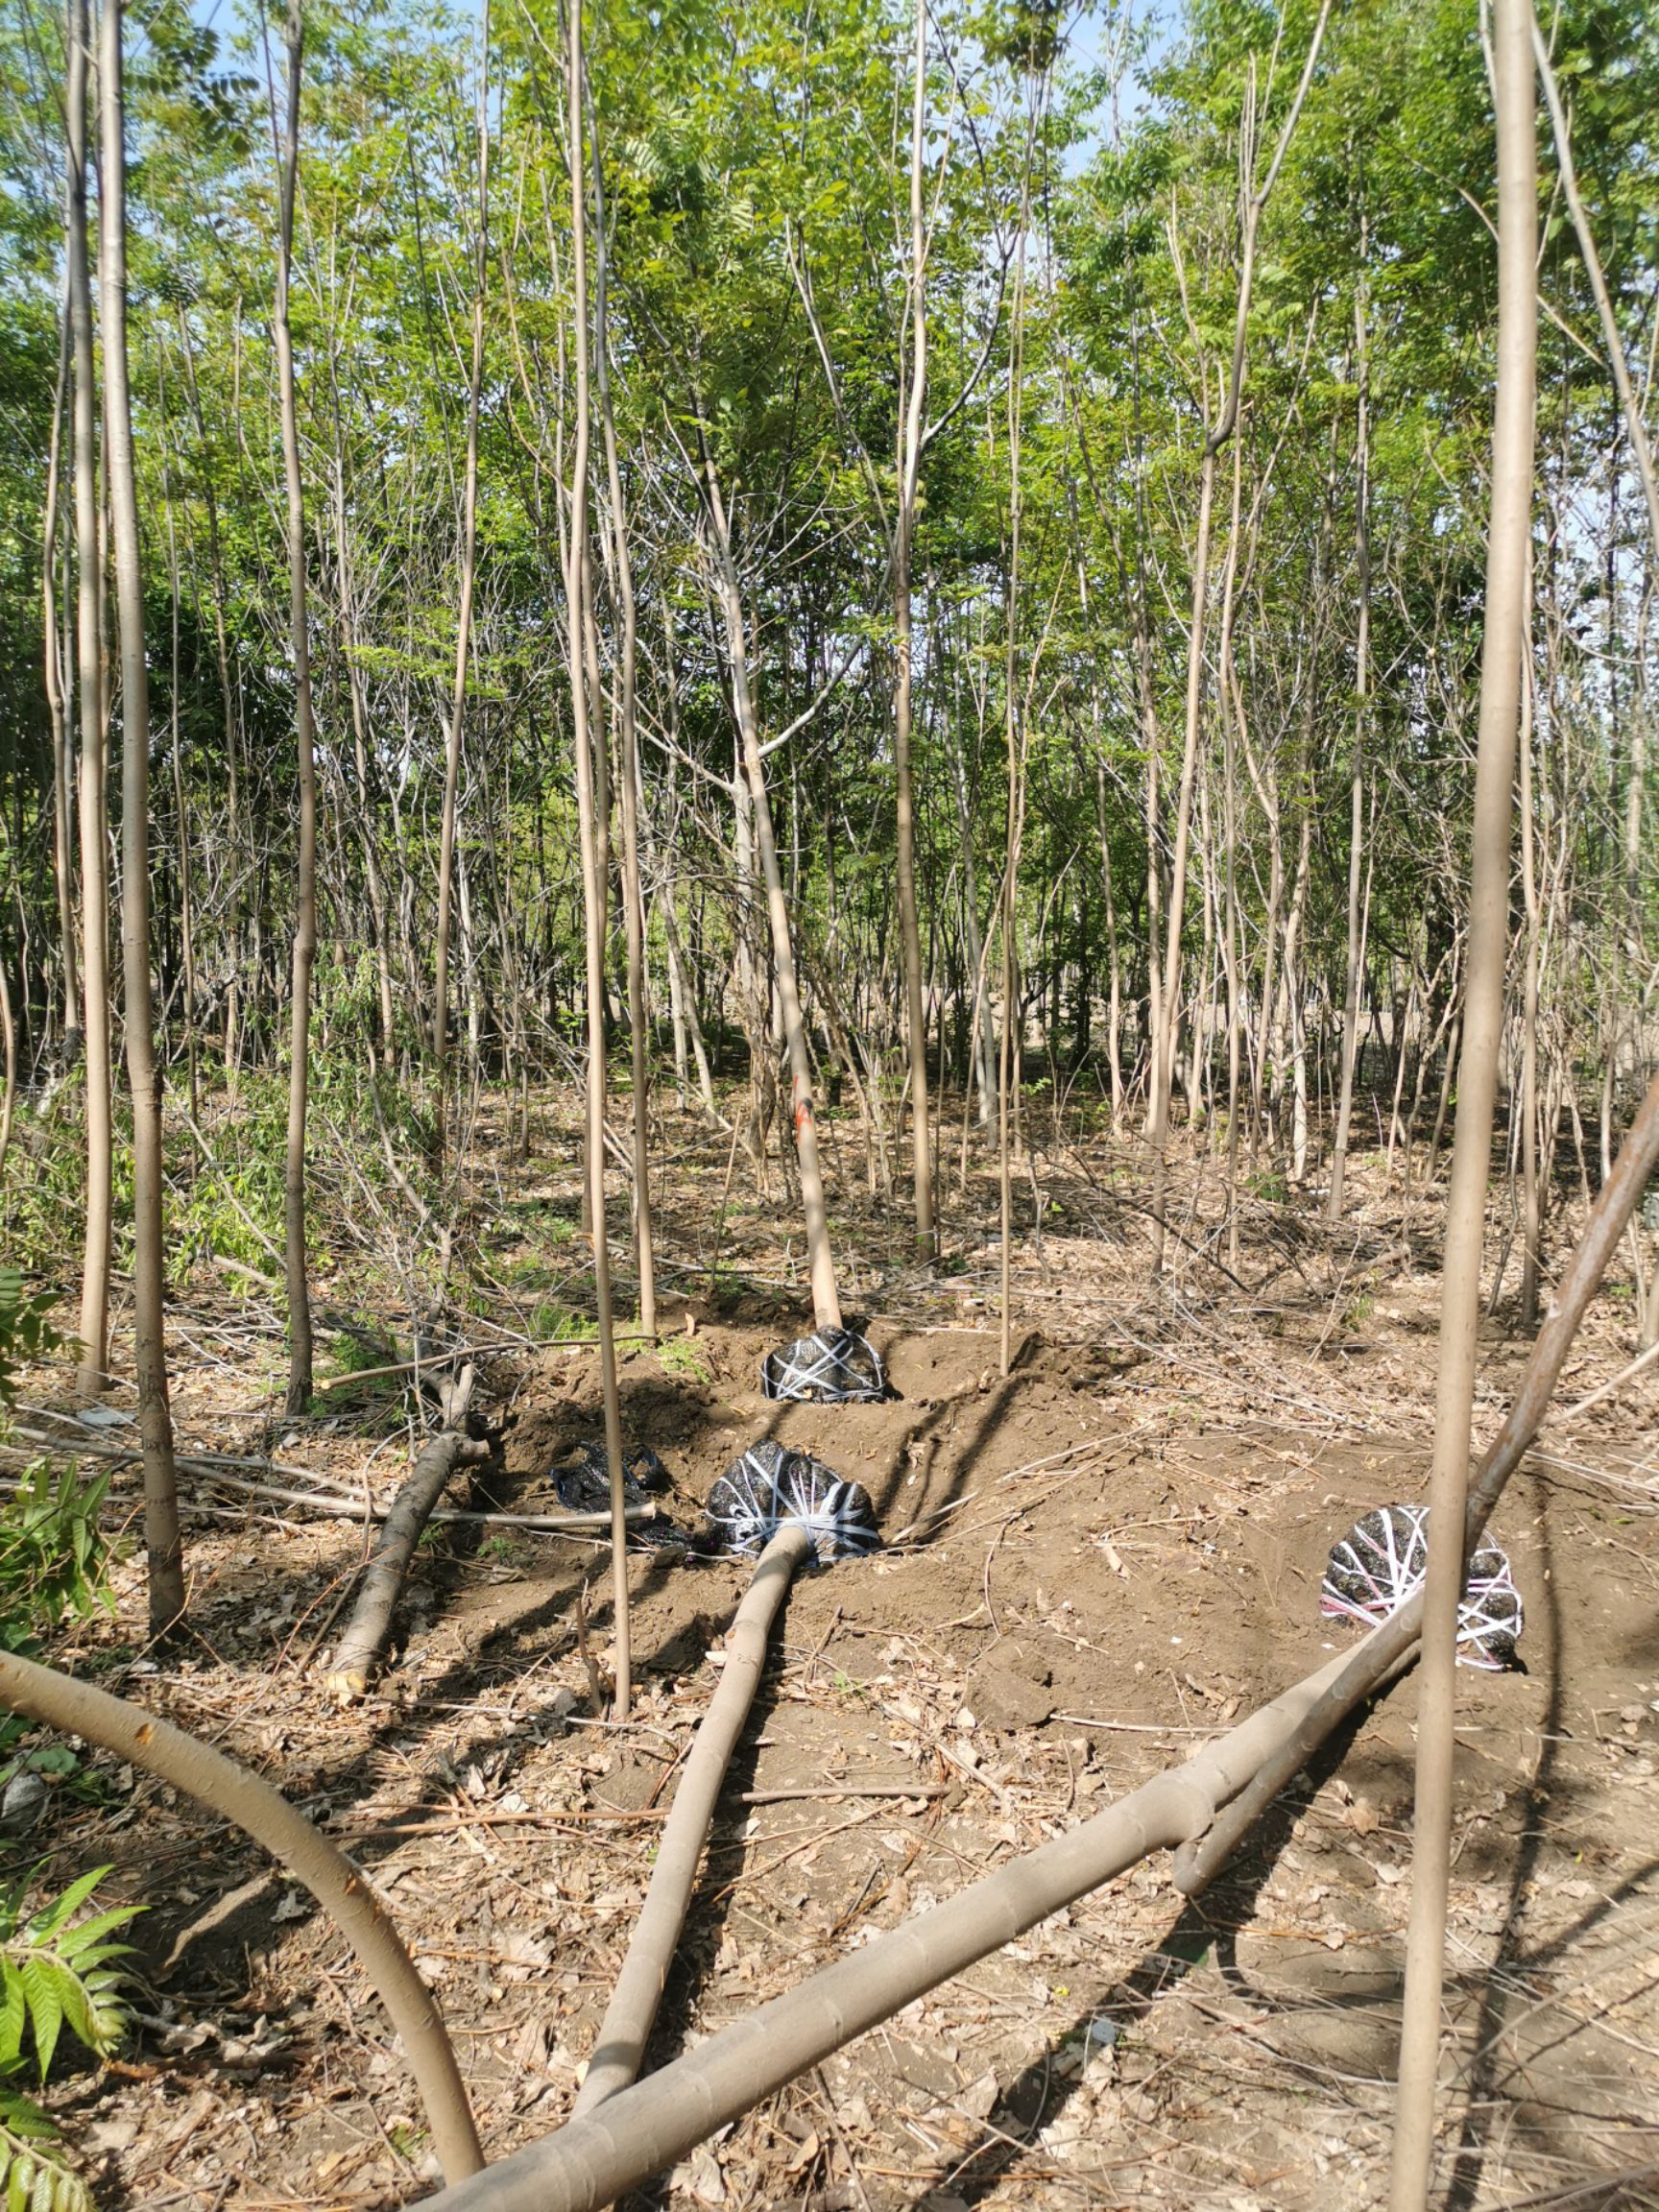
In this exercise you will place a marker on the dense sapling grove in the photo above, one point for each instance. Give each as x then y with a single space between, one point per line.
856 643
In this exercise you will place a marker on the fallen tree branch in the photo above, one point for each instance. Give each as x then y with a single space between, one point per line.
422 1364
643 2130
76 1709
1388 1647
366 1632
331 1504
1638 1366
633 2007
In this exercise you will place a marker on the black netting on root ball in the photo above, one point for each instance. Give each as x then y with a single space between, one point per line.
831 1367
771 1485
583 1486
1381 1562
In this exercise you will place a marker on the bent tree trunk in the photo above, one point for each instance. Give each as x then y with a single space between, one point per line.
75 1708
643 2130
825 1297
626 2026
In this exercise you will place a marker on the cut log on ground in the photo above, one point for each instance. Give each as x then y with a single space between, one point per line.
77 1709
360 1649
633 2007
644 2129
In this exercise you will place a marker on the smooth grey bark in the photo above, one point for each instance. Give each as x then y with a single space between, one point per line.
1253 199
94 1328
55 660
826 1296
344 1894
440 1035
1505 643
642 2129
620 2045
909 460
628 775
578 592
305 952
161 1542
1356 780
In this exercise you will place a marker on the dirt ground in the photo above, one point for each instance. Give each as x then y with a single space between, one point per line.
1088 1568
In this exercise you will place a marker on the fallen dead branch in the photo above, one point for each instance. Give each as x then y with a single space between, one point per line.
332 1505
639 1990
1387 1648
642 2129
76 1709
371 1622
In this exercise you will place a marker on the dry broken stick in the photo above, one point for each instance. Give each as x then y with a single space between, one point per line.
371 1622
76 1708
633 2007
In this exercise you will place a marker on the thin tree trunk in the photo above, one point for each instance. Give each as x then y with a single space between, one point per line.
58 707
186 899
628 775
166 1558
1357 790
1008 1070
8 1039
1641 449
1115 986
983 1045
299 1354
94 1332
463 617
1532 1188
904 540
1501 671
825 1297
1164 1039
578 587
373 879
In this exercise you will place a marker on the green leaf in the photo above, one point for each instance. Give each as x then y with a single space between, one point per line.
75 1943
51 1917
13 2014
45 2008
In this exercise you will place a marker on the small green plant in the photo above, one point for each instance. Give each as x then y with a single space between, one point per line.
551 1323
25 1332
356 1352
54 1973
53 1554
680 1355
